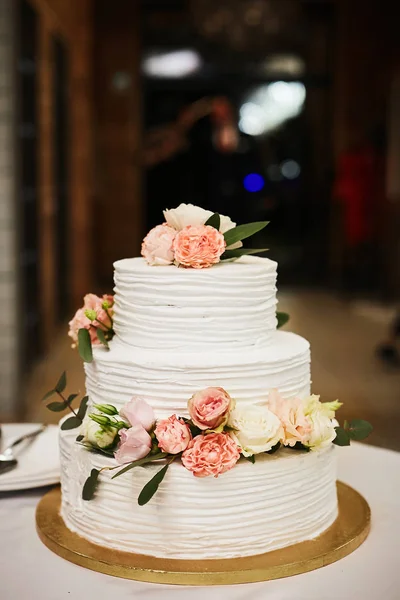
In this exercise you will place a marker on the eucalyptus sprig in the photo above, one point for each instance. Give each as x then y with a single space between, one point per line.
66 402
91 483
356 429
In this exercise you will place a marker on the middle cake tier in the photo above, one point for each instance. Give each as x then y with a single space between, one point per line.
167 379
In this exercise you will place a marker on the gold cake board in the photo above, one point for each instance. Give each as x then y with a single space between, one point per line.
345 535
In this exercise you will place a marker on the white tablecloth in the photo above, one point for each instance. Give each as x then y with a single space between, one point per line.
29 571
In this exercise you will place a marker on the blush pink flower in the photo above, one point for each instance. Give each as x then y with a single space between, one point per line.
173 435
135 443
209 408
198 247
97 312
157 246
291 413
211 454
138 412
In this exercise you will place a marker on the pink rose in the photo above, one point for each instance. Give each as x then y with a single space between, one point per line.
211 454
138 412
173 435
157 246
92 316
198 247
209 408
296 425
135 443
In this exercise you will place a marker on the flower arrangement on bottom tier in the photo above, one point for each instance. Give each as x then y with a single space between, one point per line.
210 442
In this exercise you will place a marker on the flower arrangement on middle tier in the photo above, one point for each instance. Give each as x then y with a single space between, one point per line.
218 433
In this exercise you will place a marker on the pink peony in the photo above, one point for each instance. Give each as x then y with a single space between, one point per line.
157 246
135 443
211 454
209 408
138 412
173 435
96 313
198 247
291 413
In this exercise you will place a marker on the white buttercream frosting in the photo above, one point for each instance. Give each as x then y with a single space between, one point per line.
282 499
168 379
228 307
179 331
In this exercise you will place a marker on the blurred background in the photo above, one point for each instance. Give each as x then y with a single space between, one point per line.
259 109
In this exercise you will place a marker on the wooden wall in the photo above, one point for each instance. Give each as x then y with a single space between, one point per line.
117 92
72 22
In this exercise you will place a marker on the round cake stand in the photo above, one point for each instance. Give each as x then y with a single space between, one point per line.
345 535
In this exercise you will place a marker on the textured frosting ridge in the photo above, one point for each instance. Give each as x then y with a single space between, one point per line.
168 379
227 307
282 499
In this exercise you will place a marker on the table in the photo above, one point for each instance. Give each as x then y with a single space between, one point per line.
29 571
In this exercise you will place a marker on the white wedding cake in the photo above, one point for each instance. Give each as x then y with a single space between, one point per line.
178 331
198 437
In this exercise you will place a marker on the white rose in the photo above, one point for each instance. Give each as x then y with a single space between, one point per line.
322 431
94 434
256 429
186 214
323 423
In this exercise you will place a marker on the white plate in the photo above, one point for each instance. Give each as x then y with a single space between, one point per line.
38 463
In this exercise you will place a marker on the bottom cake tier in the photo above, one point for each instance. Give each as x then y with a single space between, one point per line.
282 499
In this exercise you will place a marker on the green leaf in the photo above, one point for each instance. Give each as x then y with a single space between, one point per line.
274 448
102 337
79 438
282 318
342 437
238 252
48 395
83 407
357 429
251 459
141 461
57 406
241 232
71 398
90 485
71 423
85 345
214 221
61 383
152 486
300 446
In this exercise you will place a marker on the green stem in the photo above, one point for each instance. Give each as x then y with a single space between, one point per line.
68 404
110 317
104 325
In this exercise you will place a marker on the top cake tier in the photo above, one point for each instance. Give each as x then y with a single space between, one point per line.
229 306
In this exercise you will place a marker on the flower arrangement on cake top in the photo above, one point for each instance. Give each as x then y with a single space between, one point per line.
211 441
196 238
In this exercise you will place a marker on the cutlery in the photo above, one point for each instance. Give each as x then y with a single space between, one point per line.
7 458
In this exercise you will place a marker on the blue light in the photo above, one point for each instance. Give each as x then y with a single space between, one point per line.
253 182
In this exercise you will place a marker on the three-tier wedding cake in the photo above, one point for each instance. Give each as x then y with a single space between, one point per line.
198 405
